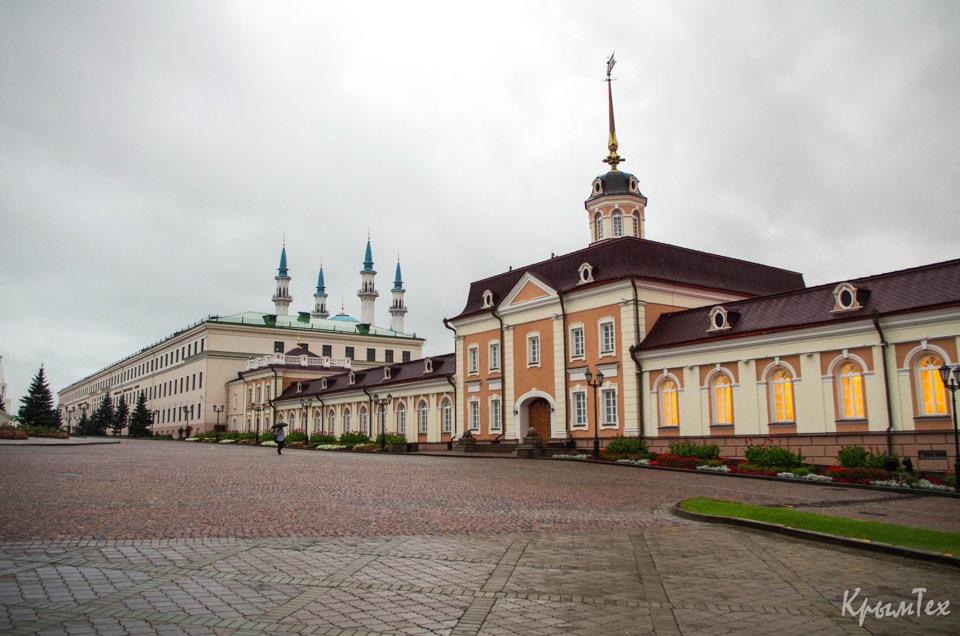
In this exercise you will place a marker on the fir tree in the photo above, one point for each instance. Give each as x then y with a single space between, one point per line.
102 418
36 407
120 415
83 425
3 407
141 419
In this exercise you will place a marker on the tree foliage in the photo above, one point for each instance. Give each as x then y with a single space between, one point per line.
102 418
120 416
140 419
83 425
36 407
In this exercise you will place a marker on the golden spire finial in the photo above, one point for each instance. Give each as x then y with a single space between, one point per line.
613 158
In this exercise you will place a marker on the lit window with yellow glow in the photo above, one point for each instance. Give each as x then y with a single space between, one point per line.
851 392
668 404
722 400
782 396
932 394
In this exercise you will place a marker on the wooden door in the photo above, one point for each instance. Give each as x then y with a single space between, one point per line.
538 417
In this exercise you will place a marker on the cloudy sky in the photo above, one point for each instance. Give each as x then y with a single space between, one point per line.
154 154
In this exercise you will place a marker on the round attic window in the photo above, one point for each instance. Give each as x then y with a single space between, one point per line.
845 298
719 320
596 187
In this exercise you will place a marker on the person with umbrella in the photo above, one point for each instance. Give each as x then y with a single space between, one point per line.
279 436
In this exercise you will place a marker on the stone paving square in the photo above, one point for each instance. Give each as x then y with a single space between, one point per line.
447 546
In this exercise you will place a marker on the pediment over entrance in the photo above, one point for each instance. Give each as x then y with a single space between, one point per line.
529 292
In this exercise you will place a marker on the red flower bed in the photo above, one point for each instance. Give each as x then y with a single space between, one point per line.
675 461
857 475
748 469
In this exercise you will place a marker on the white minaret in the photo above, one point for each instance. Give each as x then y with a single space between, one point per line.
320 298
368 292
397 308
3 385
282 299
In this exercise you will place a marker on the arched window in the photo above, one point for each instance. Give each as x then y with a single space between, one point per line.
669 415
317 423
781 396
364 421
346 420
599 224
721 395
850 381
617 223
402 419
423 416
447 409
636 224
933 397
331 421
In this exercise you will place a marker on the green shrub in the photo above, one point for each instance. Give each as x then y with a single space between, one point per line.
266 437
770 456
859 457
803 471
296 437
626 446
316 440
692 449
44 431
354 438
392 438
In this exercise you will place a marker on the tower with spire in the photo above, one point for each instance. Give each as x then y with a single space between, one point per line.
320 297
282 298
616 206
3 384
368 292
397 308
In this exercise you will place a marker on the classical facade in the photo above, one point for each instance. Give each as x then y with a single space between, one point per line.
415 399
184 375
633 337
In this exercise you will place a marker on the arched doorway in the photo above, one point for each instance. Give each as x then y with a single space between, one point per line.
538 417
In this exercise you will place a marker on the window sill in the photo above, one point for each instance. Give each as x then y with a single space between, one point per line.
721 426
772 424
668 428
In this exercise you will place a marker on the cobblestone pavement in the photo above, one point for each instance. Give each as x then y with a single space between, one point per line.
178 538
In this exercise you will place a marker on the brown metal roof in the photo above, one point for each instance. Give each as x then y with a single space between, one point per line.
630 257
926 287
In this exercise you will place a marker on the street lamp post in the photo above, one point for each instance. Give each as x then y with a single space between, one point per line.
218 409
306 402
952 384
257 408
595 383
83 413
70 411
383 417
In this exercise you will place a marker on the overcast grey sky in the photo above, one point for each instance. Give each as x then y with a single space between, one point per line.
154 154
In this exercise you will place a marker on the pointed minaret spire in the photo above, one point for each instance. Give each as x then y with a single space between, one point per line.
368 292
3 385
282 298
397 308
320 297
613 158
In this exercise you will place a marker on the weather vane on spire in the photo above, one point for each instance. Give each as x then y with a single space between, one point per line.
613 158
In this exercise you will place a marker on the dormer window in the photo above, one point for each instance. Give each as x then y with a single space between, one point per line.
487 299
597 186
720 319
428 365
323 383
586 273
386 373
847 297
299 387
353 378
633 185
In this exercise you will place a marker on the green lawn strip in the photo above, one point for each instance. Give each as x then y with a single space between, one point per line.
874 531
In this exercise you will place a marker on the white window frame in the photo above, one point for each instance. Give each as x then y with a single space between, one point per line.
579 417
474 421
446 408
617 223
605 326
842 379
493 351
473 360
423 416
578 351
364 421
346 420
533 349
598 223
662 393
930 376
401 418
715 417
610 410
775 387
496 408
331 421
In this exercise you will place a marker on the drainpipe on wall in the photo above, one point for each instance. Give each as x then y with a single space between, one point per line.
450 378
875 317
503 379
566 389
633 354
370 400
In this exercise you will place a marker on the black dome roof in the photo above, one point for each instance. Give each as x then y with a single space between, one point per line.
615 182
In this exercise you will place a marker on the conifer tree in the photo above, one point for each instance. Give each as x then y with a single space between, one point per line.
102 418
120 415
36 407
140 419
83 425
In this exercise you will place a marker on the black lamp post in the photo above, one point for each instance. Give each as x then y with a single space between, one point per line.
257 408
218 409
595 383
383 418
306 402
952 384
